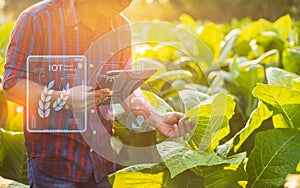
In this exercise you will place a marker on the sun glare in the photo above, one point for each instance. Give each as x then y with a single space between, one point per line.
149 1
19 109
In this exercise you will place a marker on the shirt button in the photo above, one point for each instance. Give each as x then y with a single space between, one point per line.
91 150
76 28
91 65
92 111
94 132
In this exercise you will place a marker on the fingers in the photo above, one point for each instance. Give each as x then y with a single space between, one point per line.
103 92
183 128
176 132
93 98
177 115
186 126
98 96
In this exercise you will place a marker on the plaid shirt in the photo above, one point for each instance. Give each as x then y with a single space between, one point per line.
53 27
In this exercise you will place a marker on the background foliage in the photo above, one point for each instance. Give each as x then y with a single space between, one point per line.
214 10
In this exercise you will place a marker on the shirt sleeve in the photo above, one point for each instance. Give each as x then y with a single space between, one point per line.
24 41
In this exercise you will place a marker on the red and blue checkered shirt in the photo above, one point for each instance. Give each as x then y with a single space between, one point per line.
54 27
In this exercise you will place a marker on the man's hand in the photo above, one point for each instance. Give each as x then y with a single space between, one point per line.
171 126
93 97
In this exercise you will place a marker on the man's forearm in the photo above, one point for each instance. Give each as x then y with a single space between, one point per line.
18 93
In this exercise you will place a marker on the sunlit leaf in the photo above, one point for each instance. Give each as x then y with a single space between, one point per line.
157 102
168 77
5 32
270 39
279 77
248 33
212 36
188 22
192 98
282 101
166 52
260 114
212 117
125 179
296 84
284 26
178 158
228 45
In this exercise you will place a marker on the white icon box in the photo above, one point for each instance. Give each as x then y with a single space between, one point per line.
55 74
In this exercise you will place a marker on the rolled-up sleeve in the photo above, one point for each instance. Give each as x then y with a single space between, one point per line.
24 41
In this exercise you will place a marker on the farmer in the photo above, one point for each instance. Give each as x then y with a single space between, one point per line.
69 27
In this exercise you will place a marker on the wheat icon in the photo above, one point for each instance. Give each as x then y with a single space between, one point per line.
62 99
44 102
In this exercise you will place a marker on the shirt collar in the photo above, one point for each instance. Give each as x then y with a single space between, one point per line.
71 16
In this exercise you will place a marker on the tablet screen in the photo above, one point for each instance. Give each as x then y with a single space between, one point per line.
123 82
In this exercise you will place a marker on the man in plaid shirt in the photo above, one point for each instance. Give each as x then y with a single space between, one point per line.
70 27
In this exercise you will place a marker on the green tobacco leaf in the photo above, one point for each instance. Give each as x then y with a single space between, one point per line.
166 51
250 32
122 117
212 117
291 60
153 176
157 102
190 65
1 68
168 77
212 36
246 76
137 179
228 45
220 176
192 98
275 155
14 164
296 84
188 22
280 77
260 114
116 144
270 40
284 26
5 32
283 102
179 159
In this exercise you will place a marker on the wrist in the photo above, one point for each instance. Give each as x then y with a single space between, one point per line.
55 95
155 118
65 99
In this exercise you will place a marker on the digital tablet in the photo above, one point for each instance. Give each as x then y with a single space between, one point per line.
122 83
